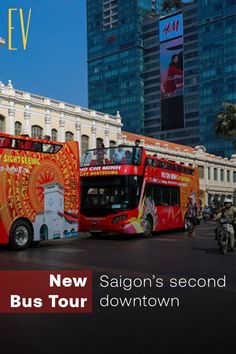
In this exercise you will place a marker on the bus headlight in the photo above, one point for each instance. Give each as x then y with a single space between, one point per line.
119 218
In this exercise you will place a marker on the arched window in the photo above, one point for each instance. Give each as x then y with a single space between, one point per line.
18 128
99 141
112 143
36 131
112 150
54 134
2 119
69 136
84 143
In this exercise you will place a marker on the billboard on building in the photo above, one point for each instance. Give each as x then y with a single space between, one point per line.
171 72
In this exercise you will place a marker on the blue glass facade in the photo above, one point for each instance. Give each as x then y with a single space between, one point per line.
217 68
115 58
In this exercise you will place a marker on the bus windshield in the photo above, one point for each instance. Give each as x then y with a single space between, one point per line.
109 195
121 155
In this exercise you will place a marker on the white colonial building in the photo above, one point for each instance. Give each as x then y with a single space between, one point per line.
217 174
41 116
62 121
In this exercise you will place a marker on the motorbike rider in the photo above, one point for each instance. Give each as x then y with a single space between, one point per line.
229 213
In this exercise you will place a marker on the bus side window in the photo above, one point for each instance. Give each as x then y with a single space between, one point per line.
176 168
175 197
28 145
24 144
37 146
57 148
163 164
157 195
5 142
49 148
165 196
148 191
20 144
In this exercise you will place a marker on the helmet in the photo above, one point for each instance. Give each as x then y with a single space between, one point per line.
228 200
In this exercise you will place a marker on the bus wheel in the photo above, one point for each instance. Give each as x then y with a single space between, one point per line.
21 235
148 227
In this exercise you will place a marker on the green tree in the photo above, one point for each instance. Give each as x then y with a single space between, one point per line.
226 122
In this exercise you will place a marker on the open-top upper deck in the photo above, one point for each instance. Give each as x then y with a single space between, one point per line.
126 160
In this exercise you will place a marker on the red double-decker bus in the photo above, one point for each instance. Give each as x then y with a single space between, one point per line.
124 190
39 190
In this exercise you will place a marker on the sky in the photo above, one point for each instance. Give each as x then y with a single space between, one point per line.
54 63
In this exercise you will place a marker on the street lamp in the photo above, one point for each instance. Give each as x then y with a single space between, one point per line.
2 41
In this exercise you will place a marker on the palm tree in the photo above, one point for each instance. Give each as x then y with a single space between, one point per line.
226 122
168 5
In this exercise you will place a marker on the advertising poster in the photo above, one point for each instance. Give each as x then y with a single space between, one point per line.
105 244
171 72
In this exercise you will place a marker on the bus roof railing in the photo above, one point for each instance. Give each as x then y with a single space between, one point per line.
25 143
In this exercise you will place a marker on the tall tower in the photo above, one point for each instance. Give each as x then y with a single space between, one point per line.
115 58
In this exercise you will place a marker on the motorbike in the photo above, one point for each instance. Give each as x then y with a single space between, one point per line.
206 216
223 235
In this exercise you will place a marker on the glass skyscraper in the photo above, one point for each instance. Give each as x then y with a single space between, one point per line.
125 69
217 68
115 58
188 134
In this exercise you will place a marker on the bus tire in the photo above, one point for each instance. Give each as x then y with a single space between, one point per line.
21 235
148 227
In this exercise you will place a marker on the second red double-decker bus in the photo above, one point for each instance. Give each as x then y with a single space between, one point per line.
124 190
39 190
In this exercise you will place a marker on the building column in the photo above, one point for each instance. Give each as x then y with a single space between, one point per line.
48 119
119 134
207 198
106 142
94 135
78 130
212 174
27 119
11 117
62 128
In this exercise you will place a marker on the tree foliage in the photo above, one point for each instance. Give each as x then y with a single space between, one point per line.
226 122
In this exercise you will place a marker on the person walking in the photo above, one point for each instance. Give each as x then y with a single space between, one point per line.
192 213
